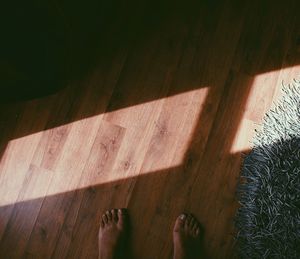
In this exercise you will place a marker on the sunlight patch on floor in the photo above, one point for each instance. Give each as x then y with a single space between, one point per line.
14 164
152 130
264 92
58 160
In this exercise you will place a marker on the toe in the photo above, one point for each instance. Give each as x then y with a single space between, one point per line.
179 223
104 219
192 223
188 222
114 213
102 223
121 213
197 232
108 215
121 217
195 227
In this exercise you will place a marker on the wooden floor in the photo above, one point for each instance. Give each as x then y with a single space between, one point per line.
157 125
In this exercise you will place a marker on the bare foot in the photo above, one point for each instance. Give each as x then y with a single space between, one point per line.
186 237
111 234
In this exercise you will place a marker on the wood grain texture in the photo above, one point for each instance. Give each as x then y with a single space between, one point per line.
157 125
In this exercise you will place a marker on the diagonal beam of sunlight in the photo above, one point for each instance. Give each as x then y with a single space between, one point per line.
63 155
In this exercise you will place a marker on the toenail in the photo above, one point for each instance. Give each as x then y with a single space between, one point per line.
182 217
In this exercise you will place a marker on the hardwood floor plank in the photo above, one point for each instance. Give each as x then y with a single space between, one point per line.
25 212
67 175
17 157
79 224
